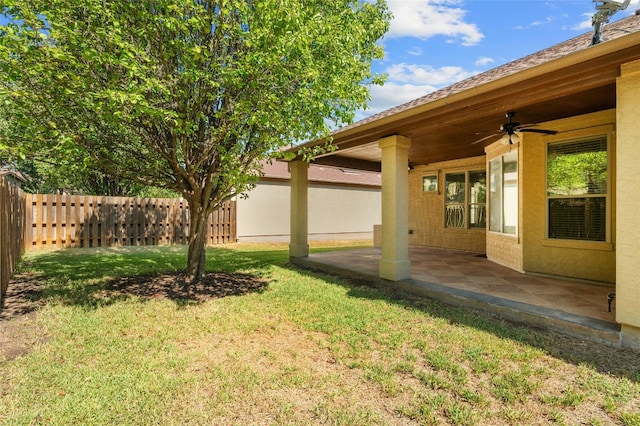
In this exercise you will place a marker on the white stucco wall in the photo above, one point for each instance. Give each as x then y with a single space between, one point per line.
335 212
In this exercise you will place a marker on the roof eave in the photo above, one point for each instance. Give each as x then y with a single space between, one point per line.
585 55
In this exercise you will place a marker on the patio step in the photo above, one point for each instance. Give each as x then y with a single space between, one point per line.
582 327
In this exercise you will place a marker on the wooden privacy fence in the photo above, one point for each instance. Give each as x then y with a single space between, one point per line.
100 221
12 226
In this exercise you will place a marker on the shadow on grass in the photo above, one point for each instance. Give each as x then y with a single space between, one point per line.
102 276
604 359
97 277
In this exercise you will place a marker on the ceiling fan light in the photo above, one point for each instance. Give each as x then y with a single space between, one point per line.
515 138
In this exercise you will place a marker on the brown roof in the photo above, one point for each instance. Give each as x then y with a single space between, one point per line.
581 42
568 79
323 174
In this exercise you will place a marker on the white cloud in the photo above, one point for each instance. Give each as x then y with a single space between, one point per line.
428 18
483 60
585 24
415 51
393 94
426 74
407 82
547 20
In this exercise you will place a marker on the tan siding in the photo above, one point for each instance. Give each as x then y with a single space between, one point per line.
577 259
505 249
628 241
426 209
334 211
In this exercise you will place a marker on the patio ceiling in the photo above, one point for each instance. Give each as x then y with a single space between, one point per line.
444 125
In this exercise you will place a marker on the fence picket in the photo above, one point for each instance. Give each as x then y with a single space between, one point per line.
13 220
31 221
97 221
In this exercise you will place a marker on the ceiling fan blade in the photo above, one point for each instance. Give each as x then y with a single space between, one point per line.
543 131
495 135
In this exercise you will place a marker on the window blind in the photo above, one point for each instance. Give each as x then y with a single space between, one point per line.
577 186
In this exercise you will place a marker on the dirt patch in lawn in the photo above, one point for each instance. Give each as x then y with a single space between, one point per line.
213 285
19 331
18 336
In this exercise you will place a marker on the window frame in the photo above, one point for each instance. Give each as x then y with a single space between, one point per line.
501 206
432 180
466 204
608 220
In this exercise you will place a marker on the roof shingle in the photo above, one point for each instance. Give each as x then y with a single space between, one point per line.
612 31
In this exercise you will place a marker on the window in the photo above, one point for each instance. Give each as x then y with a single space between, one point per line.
577 189
478 199
465 199
454 184
430 183
503 195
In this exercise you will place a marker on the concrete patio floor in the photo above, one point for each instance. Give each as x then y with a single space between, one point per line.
468 279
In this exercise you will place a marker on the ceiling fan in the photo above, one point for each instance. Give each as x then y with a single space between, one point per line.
509 129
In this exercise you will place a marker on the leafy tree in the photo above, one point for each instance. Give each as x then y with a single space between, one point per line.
75 172
578 173
43 177
187 95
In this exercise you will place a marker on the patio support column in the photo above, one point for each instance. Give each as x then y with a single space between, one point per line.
628 205
299 246
394 263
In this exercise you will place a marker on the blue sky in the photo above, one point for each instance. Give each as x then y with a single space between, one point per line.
434 43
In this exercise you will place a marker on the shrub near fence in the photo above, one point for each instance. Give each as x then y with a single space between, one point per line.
99 221
12 226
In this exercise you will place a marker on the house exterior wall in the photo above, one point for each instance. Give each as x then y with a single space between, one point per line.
335 212
589 260
427 209
628 205
343 210
265 212
529 250
505 249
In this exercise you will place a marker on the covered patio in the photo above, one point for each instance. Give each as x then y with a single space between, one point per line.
468 279
441 152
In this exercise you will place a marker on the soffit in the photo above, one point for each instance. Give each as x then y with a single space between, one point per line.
446 127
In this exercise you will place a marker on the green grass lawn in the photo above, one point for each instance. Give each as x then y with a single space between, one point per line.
303 348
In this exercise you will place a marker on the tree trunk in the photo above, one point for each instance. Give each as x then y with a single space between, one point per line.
196 257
